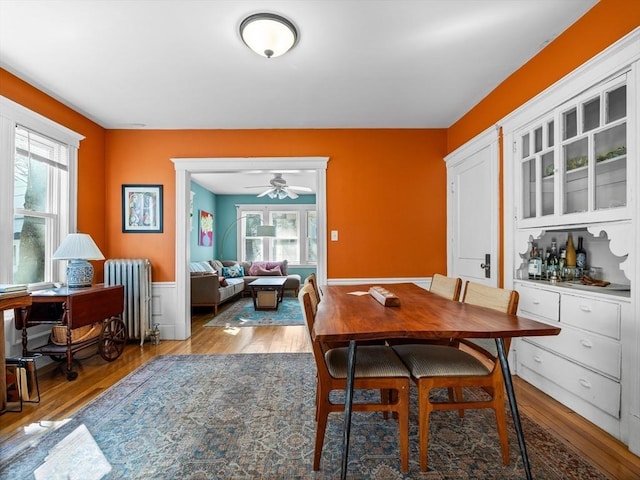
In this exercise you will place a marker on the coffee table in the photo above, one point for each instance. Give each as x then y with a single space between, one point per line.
275 284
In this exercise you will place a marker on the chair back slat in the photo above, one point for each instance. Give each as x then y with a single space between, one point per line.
446 287
491 297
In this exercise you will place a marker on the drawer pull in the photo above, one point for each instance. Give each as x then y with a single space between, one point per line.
586 343
584 383
585 308
536 302
537 359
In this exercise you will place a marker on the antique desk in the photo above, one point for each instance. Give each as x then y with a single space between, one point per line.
8 301
75 308
343 317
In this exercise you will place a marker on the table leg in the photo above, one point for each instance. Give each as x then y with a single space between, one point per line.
348 403
506 373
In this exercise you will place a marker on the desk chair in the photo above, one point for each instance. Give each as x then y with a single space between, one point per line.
377 368
455 367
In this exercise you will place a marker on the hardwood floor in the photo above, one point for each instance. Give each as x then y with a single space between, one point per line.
60 398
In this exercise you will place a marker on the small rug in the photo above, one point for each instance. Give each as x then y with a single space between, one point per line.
240 313
251 416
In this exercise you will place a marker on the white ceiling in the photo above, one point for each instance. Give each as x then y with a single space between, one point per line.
179 64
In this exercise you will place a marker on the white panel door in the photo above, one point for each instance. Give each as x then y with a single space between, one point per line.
472 211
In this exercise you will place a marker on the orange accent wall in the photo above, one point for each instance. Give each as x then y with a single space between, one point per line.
607 22
385 192
91 156
386 189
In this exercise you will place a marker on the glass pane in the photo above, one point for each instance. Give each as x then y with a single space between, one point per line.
570 124
525 146
611 167
284 249
253 249
617 104
591 115
538 139
529 189
285 246
29 241
576 176
548 170
550 134
251 224
30 184
312 243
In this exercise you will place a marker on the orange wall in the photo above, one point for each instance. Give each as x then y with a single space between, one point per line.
386 188
91 156
603 25
385 192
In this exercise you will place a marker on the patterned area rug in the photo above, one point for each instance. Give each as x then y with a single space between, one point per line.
252 417
240 313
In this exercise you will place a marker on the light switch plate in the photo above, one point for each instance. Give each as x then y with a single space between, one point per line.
334 235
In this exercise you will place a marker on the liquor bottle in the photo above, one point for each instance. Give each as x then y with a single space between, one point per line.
552 261
581 255
571 253
534 263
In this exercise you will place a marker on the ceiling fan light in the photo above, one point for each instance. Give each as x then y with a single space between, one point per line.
282 194
268 34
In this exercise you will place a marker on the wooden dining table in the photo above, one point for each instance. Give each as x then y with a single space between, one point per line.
350 313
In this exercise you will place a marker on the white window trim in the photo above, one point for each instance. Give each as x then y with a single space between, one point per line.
266 209
11 114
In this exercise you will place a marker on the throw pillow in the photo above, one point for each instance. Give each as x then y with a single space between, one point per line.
274 271
234 271
257 267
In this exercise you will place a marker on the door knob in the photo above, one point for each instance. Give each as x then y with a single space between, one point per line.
486 265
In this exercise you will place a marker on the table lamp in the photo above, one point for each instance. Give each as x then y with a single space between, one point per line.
78 248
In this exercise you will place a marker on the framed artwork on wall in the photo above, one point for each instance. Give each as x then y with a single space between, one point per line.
142 208
205 237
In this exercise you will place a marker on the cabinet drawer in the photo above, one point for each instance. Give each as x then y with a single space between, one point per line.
541 303
590 314
596 389
595 351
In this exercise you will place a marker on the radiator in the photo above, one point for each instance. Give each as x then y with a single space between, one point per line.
135 275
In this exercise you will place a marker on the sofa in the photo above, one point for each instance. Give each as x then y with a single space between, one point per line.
214 282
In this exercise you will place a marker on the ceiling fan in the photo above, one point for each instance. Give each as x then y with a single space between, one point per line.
278 188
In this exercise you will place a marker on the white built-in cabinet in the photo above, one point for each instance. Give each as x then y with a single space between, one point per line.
571 168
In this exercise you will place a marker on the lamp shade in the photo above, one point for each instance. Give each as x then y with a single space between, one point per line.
78 248
268 34
266 231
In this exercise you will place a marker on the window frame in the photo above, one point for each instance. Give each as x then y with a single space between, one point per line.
267 212
12 115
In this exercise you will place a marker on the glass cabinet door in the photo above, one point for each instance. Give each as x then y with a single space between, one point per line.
594 151
538 170
573 160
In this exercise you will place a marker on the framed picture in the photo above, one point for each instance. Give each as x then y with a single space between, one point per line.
205 237
142 208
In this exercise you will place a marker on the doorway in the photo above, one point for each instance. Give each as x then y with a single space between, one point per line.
185 167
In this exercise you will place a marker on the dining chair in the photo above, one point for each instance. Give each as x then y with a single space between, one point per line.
313 280
468 364
377 368
315 293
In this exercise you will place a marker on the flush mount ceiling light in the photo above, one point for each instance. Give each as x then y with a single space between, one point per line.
268 34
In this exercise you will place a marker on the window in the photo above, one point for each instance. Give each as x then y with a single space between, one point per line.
295 240
37 171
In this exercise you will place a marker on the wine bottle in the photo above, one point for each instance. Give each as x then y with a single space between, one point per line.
571 253
581 255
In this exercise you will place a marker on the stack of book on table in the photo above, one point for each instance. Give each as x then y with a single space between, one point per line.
12 288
